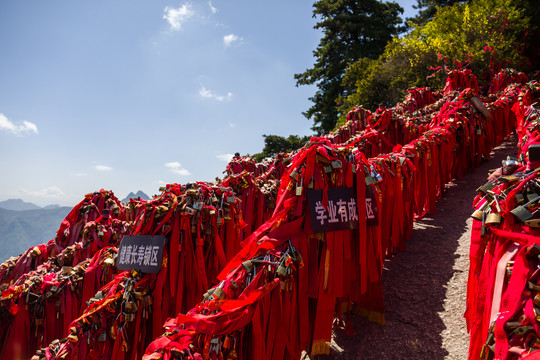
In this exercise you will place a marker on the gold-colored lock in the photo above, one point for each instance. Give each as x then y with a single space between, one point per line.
478 215
247 265
218 293
293 174
493 218
282 270
534 223
131 306
300 188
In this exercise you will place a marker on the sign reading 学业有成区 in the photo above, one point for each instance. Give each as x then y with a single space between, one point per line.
140 252
341 213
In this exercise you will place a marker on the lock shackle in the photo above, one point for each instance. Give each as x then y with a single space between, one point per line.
532 201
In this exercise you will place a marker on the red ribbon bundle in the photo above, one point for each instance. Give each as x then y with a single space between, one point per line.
274 264
503 275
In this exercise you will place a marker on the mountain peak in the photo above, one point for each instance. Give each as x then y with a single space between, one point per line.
139 194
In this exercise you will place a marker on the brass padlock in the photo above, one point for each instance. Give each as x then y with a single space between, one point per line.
293 174
218 293
73 338
247 265
282 270
493 218
300 188
207 295
534 223
131 306
536 299
129 317
478 215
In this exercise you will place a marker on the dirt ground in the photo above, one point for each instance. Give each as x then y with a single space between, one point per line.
425 287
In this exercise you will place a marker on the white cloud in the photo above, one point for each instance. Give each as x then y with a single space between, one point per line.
212 8
228 40
176 17
17 129
225 157
103 168
209 94
81 174
177 168
50 192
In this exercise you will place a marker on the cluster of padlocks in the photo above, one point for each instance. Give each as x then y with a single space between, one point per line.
503 302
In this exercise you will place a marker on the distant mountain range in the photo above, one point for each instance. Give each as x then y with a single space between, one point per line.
20 205
24 224
22 229
139 194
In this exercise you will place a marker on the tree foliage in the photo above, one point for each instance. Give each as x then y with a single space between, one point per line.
484 35
274 144
352 30
428 8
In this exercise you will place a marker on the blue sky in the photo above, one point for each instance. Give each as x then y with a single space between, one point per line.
130 95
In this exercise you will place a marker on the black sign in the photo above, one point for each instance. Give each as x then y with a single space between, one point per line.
140 252
372 218
341 213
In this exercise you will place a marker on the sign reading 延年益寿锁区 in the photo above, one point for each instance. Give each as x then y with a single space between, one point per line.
341 213
140 252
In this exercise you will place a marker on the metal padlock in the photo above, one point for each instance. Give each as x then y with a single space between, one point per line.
176 353
231 199
328 169
534 223
522 213
370 180
336 164
198 205
102 337
493 218
131 306
282 270
73 338
293 174
478 215
218 293
532 286
486 187
536 299
129 317
207 295
247 265
300 188
219 219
